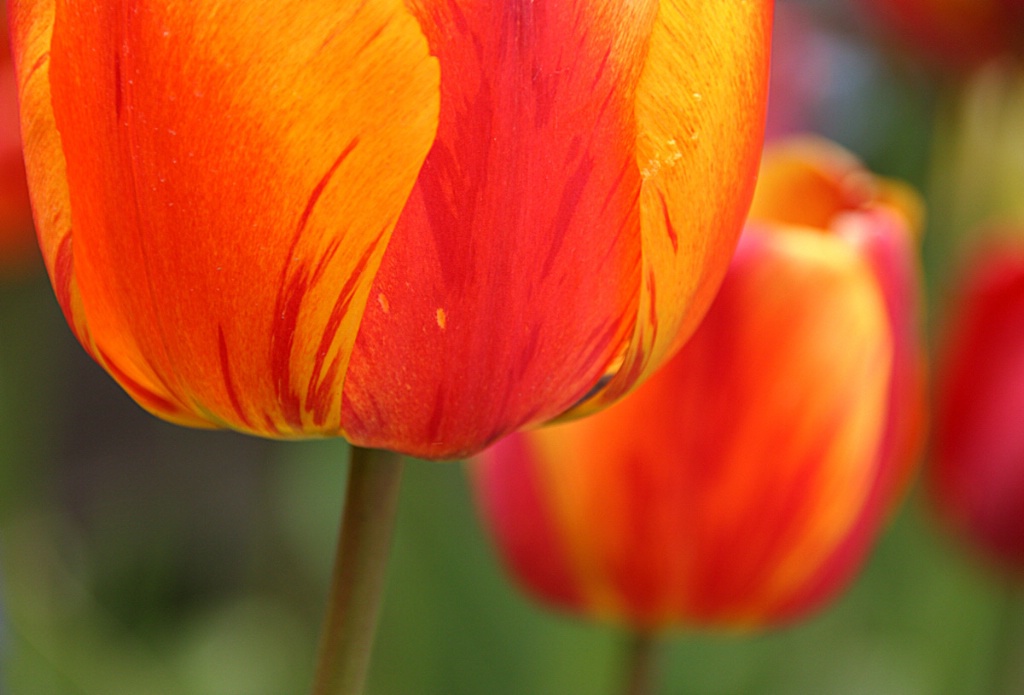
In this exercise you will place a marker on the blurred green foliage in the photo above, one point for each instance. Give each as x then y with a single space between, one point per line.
139 558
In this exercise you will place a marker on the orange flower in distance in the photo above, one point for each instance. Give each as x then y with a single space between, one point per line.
978 472
417 225
954 32
743 483
17 238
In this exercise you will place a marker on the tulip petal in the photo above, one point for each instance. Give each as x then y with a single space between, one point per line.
511 281
31 27
812 183
566 183
807 181
218 233
700 116
881 236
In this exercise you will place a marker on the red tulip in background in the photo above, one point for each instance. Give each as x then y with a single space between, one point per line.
978 472
744 483
954 32
17 238
802 69
417 225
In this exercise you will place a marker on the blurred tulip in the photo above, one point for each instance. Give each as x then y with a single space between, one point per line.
954 32
744 482
978 473
419 226
18 248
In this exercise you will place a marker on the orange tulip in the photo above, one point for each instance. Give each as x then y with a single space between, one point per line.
978 473
743 483
955 32
417 225
17 238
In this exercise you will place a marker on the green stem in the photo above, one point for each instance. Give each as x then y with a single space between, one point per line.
641 666
360 564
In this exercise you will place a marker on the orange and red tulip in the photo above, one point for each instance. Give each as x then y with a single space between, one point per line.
744 482
978 472
954 32
17 237
418 225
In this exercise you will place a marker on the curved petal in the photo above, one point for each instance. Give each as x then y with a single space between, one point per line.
234 171
883 239
885 242
813 183
511 281
31 26
700 113
818 185
807 181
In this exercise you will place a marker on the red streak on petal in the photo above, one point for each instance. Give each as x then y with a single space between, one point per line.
672 235
42 60
370 38
229 385
289 302
652 284
319 188
322 386
295 283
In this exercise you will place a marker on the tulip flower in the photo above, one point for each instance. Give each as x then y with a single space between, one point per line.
17 238
744 482
416 225
978 472
955 32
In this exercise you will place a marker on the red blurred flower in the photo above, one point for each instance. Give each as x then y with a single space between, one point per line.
955 32
978 472
744 482
802 57
18 248
418 225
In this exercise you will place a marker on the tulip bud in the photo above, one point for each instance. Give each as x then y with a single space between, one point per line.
744 482
978 473
419 225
